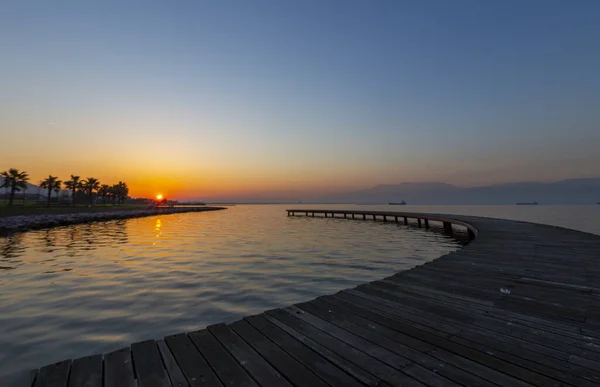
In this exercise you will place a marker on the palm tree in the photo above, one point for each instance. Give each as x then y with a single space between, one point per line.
122 191
74 184
103 192
51 183
14 180
113 193
89 186
57 187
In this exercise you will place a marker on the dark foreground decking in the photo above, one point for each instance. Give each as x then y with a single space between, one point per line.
519 305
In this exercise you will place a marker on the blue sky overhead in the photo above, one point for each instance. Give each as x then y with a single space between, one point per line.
296 96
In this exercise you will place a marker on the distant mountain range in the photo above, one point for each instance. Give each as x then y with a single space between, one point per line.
572 191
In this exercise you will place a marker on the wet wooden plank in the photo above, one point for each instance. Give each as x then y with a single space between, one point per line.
368 363
284 363
352 369
381 335
225 366
518 361
371 344
148 365
86 371
253 363
303 354
173 371
195 368
53 375
466 364
118 369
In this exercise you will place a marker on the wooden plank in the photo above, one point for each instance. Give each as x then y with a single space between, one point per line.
466 364
303 354
253 363
370 364
86 372
352 369
283 362
530 366
175 375
196 370
148 365
380 335
372 344
53 375
225 366
118 369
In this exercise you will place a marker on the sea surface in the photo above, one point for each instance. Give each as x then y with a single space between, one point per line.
93 288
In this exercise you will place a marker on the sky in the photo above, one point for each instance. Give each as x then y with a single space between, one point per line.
243 99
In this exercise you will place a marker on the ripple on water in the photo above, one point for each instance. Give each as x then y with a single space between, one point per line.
91 288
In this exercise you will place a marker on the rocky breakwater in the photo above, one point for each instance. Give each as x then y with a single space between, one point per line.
21 223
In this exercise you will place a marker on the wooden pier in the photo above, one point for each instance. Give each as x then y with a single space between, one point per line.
517 306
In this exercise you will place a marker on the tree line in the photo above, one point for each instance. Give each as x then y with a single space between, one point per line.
14 181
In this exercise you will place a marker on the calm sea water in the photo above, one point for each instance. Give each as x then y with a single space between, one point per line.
77 290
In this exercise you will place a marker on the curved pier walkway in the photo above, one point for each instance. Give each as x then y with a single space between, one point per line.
517 306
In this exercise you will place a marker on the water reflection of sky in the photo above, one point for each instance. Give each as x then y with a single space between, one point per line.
89 288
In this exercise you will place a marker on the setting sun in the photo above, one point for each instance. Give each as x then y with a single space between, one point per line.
159 197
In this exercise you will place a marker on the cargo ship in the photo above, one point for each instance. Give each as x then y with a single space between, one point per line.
527 204
402 203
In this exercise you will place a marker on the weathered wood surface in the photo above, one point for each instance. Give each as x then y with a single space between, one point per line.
517 306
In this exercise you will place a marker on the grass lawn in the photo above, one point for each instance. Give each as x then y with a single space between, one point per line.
35 209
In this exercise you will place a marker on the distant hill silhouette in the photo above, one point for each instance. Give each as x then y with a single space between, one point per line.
572 191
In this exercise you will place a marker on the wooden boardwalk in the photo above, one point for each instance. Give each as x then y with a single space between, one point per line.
518 306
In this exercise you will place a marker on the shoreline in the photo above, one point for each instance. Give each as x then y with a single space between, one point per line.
23 223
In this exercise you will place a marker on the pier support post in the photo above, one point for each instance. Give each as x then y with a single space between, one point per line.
344 215
385 218
471 234
374 217
426 223
306 213
313 214
325 214
352 216
396 219
448 228
405 221
364 217
419 222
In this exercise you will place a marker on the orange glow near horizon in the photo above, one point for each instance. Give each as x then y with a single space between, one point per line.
159 197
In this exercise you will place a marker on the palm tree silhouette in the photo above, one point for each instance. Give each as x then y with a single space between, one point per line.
57 191
14 180
51 183
74 184
89 186
122 191
103 192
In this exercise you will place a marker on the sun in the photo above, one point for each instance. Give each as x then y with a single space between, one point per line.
159 197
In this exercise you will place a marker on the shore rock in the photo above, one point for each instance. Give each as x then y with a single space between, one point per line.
21 223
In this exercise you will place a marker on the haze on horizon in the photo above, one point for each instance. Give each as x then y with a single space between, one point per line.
214 100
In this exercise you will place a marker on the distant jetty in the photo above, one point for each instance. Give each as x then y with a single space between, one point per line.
527 204
402 203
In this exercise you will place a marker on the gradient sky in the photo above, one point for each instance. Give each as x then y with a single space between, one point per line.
235 99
